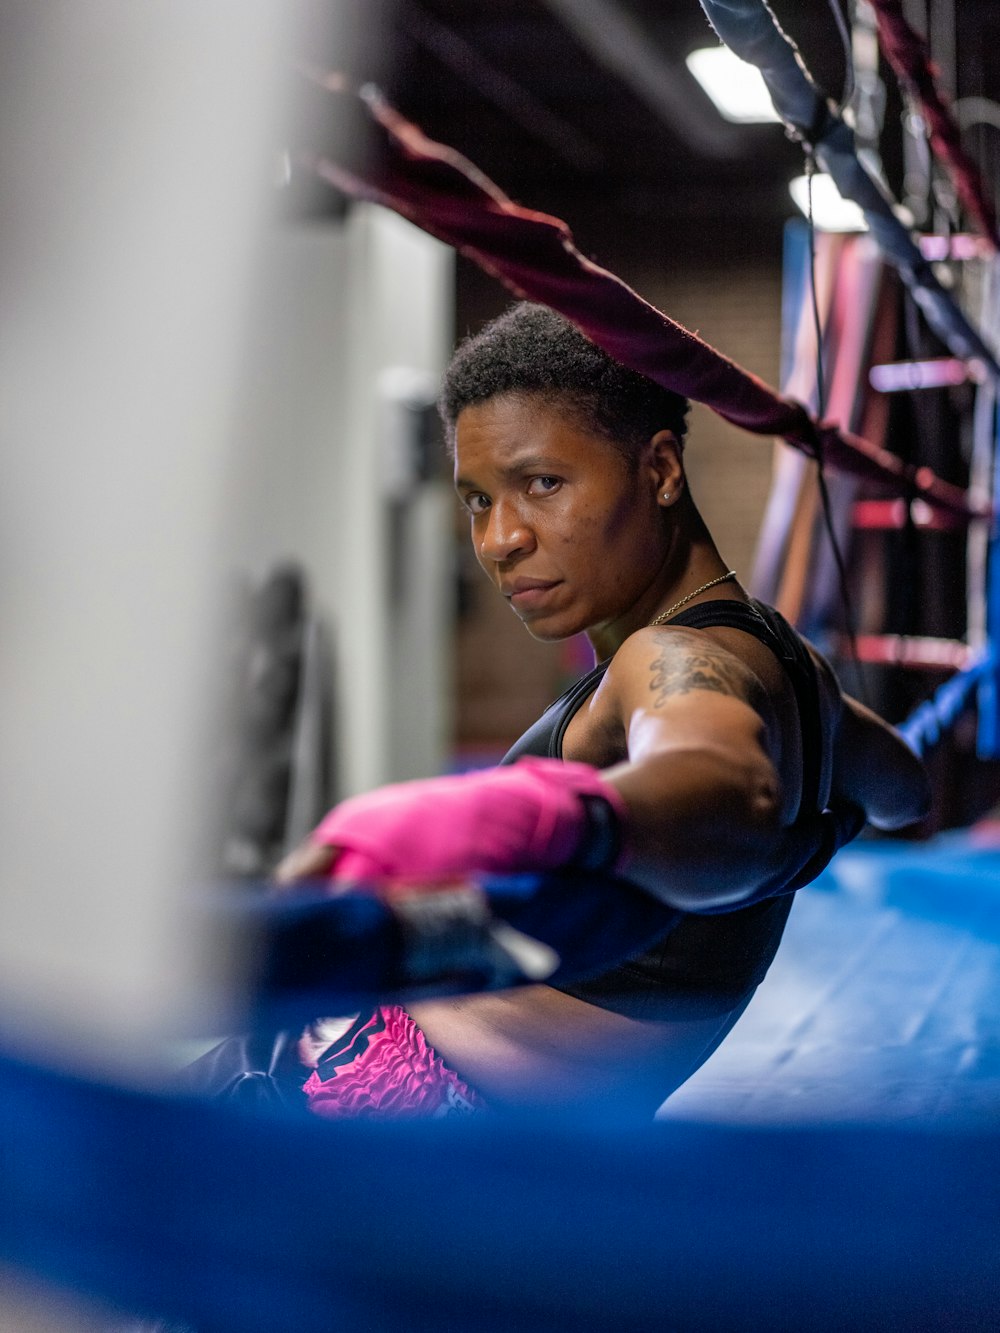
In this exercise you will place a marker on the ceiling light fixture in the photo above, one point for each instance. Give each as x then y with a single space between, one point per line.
736 87
830 210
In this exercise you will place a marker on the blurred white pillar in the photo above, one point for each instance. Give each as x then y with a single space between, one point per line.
137 141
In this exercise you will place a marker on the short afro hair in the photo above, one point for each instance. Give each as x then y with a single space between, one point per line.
532 350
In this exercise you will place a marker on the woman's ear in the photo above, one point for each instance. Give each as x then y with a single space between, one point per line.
666 467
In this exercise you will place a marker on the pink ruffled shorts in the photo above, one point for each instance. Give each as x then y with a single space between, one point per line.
383 1068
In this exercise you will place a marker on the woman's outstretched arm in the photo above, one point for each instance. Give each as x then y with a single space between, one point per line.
711 801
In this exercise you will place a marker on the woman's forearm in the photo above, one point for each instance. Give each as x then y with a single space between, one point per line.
875 769
702 824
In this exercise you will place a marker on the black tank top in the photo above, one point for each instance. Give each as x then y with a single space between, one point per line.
706 964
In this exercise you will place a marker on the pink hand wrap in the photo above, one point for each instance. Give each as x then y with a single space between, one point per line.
536 814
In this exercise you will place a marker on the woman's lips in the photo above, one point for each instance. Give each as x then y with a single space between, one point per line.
526 594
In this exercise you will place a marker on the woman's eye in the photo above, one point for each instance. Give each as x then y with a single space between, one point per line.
477 503
543 485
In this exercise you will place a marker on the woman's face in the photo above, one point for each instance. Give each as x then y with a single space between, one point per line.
571 533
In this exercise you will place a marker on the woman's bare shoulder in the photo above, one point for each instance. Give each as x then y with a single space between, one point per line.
668 661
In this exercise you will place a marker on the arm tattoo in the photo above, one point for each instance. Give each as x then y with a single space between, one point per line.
675 671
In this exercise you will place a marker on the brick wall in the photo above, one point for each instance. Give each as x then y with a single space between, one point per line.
736 308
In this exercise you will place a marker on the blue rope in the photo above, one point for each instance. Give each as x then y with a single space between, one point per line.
240 1223
310 953
986 428
749 28
928 724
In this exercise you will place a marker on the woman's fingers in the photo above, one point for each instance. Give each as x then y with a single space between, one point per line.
308 861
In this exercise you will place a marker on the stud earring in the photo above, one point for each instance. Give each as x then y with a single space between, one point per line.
666 495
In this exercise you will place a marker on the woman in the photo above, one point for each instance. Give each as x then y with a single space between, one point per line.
696 757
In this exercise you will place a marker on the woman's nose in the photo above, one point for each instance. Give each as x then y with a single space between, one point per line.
506 535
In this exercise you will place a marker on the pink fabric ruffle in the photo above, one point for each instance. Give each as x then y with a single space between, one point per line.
394 1073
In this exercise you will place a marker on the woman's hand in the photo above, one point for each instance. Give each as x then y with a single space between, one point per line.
537 814
307 861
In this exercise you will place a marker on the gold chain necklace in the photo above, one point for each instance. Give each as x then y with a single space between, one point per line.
712 583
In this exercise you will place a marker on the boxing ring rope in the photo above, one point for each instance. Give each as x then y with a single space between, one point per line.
316 954
749 28
984 546
908 54
534 256
261 1223
928 724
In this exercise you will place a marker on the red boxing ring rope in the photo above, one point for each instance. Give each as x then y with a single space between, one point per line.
908 54
533 254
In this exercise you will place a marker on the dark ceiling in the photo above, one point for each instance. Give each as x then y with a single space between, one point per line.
585 107
550 114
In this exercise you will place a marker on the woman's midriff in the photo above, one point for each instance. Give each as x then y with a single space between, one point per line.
537 1048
